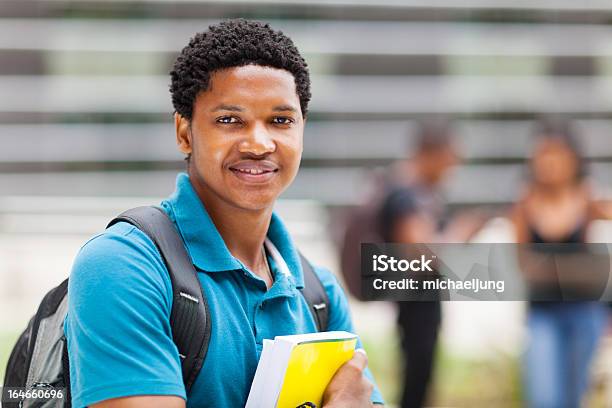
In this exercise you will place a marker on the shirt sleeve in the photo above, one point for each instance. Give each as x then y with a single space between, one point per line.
117 326
340 318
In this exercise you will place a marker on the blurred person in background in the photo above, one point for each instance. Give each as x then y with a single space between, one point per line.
557 207
414 211
403 220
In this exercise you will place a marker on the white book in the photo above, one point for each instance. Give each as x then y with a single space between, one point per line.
257 386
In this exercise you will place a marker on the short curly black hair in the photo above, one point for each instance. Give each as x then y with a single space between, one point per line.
234 43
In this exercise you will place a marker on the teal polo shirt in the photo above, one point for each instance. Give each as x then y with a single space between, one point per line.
120 298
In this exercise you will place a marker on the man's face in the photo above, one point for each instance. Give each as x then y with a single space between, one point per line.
245 136
439 162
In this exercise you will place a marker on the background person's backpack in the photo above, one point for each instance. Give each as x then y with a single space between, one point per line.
361 225
39 360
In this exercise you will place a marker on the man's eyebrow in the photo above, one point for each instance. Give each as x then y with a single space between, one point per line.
284 108
233 108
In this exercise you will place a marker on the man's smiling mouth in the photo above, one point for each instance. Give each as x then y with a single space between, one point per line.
251 171
254 171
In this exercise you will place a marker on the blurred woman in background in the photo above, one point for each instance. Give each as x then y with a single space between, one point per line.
557 207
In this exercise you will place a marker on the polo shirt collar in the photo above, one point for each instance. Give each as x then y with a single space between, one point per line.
206 246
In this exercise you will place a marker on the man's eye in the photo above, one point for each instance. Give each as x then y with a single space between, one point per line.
227 119
281 120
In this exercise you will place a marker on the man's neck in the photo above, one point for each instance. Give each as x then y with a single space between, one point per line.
243 231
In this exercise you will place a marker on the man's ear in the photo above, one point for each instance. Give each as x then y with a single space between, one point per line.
183 133
303 127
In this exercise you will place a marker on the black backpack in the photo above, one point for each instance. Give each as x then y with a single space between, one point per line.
39 360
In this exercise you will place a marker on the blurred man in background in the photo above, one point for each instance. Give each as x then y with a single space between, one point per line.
411 209
414 211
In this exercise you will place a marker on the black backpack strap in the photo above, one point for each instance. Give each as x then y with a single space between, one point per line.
66 373
315 295
190 316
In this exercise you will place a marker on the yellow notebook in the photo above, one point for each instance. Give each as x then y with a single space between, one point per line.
296 369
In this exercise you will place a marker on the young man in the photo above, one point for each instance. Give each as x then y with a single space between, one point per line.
414 212
240 91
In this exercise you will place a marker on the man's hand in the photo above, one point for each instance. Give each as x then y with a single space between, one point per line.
349 388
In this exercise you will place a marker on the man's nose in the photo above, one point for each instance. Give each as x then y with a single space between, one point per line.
257 141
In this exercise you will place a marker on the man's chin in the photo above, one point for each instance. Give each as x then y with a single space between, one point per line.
252 202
